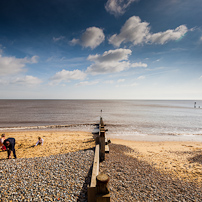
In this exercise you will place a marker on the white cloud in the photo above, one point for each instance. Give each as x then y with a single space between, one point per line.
117 7
13 65
27 80
133 31
87 83
134 84
92 38
141 77
200 77
138 64
121 80
201 38
111 61
138 32
67 76
55 39
169 35
111 55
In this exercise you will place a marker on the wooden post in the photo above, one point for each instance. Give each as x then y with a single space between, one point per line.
102 188
102 145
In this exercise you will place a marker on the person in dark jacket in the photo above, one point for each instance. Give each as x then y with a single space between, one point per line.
10 146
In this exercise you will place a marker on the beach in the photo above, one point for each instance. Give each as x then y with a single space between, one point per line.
55 142
179 161
182 159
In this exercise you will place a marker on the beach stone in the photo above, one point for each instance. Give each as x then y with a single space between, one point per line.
62 177
135 180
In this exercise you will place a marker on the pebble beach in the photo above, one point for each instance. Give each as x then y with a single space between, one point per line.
134 180
60 170
62 177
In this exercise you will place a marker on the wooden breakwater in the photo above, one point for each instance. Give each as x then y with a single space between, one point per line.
98 190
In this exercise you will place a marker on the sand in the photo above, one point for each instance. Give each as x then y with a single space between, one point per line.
55 142
181 159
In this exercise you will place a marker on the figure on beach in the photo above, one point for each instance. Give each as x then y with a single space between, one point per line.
40 141
10 146
2 146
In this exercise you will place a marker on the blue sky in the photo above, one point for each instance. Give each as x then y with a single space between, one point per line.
103 49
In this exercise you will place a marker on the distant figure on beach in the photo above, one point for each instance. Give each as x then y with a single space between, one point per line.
10 146
2 146
40 141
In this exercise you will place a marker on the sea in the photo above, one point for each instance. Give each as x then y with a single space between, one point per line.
140 120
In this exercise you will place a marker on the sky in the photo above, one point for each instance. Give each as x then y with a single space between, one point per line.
103 49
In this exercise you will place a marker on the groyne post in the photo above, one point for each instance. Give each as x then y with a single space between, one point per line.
98 190
102 145
92 190
102 188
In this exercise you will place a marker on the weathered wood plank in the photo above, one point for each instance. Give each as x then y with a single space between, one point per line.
96 162
107 148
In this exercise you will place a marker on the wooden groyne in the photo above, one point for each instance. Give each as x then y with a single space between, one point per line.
98 190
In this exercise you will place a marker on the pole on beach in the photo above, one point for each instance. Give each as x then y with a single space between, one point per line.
102 145
102 188
194 104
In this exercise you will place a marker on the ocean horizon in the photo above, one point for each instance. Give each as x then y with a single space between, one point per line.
156 120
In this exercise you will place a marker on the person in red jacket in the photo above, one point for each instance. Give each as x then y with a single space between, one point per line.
10 146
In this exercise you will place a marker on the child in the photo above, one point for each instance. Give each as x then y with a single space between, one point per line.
40 141
2 146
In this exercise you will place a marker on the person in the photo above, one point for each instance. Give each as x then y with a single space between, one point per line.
10 146
2 146
40 141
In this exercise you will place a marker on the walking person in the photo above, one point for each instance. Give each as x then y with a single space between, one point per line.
10 146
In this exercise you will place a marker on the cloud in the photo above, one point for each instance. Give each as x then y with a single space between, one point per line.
133 31
13 65
92 38
134 84
138 64
87 83
169 35
138 32
201 38
141 77
117 7
111 61
121 80
55 39
200 77
27 80
67 76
